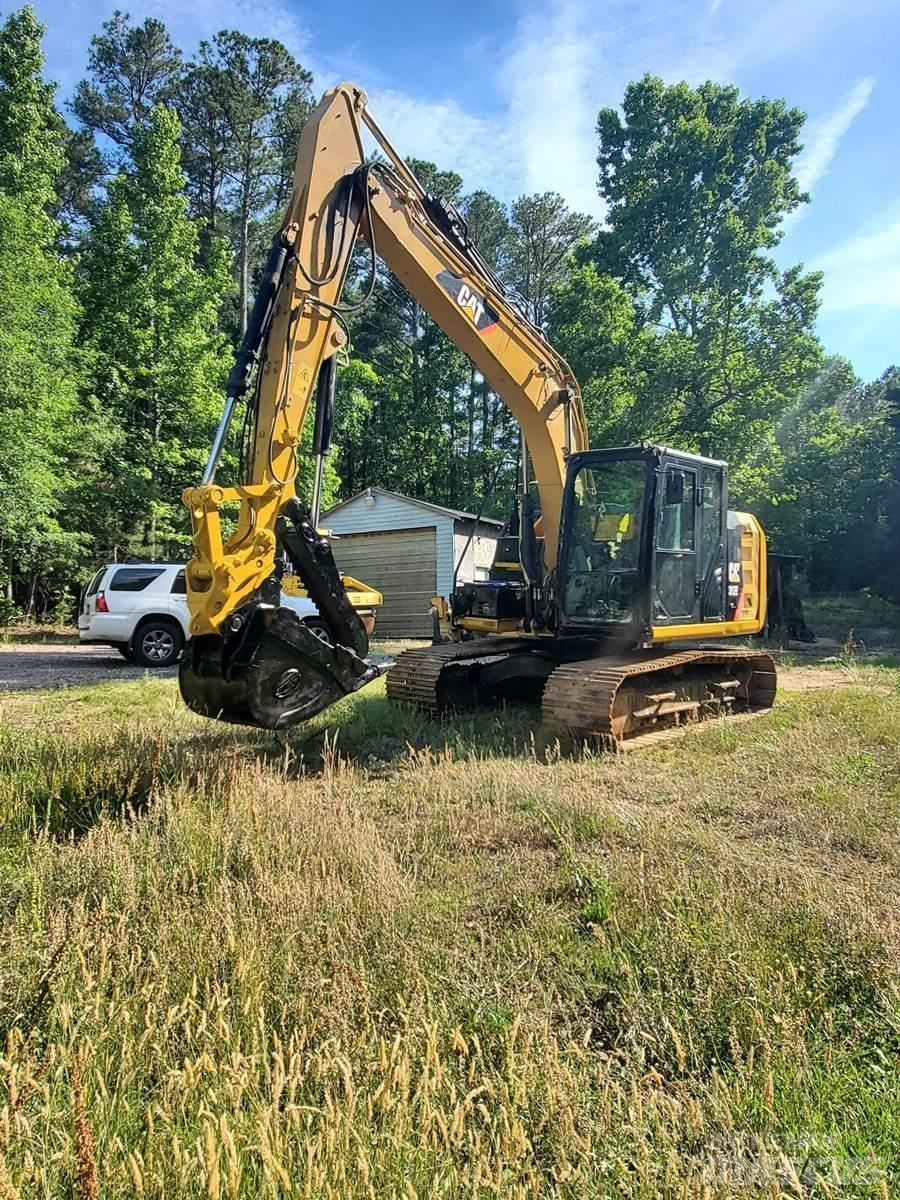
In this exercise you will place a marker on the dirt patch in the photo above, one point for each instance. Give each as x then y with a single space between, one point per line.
815 678
805 679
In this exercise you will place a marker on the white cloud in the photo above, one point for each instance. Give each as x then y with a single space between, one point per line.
443 132
544 138
553 106
823 134
190 20
864 271
550 74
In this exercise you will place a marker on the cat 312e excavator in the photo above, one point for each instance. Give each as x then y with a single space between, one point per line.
593 602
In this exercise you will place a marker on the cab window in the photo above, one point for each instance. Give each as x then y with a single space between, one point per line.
602 558
676 516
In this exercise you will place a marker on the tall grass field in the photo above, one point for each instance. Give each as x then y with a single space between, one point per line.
403 958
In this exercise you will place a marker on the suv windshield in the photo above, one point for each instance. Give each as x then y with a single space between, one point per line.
602 580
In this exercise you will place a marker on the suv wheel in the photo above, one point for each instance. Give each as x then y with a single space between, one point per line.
317 626
157 643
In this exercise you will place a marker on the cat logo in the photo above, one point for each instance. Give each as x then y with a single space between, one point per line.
477 309
466 298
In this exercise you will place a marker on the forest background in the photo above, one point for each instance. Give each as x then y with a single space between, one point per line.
133 227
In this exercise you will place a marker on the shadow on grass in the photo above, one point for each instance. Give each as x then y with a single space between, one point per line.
827 652
372 732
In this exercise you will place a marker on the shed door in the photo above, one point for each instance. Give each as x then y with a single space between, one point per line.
402 564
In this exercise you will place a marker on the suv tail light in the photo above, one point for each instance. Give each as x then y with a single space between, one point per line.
101 605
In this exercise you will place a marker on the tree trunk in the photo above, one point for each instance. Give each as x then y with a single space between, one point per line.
453 465
485 439
244 245
417 396
29 608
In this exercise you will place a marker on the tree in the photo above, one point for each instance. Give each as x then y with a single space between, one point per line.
245 99
208 151
489 228
698 183
38 373
158 360
825 490
544 232
76 184
357 383
290 117
594 319
413 431
132 68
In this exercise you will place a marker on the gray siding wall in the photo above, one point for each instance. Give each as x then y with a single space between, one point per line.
479 554
390 513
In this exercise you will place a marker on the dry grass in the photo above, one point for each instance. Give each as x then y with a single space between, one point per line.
405 959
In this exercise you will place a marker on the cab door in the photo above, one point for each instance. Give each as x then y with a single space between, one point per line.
676 558
712 511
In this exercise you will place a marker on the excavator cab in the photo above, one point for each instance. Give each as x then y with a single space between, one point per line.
649 551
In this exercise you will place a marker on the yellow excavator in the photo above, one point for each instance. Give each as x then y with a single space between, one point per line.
599 602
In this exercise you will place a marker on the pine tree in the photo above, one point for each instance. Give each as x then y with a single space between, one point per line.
244 101
131 69
159 360
37 362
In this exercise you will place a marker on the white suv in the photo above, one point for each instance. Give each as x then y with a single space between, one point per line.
141 609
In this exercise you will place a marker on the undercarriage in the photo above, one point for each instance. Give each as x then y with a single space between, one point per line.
619 701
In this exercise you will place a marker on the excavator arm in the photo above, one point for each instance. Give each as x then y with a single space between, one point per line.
248 660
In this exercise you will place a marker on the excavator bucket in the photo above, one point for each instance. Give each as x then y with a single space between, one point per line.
275 673
267 668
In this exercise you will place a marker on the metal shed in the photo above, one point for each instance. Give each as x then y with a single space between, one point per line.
408 549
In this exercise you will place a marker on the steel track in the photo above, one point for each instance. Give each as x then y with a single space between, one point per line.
623 702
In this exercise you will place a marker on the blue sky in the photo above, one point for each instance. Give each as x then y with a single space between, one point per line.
506 93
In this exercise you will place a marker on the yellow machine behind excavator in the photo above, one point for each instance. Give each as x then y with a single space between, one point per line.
609 558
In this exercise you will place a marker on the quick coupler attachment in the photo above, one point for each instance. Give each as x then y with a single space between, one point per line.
269 671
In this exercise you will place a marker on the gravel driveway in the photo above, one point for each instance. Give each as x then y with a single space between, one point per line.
31 665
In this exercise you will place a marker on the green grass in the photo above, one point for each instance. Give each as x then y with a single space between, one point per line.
38 634
873 621
397 957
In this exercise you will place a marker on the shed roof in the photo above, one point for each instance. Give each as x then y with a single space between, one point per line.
455 513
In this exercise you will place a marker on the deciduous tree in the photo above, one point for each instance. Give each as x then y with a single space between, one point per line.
151 328
38 365
698 182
